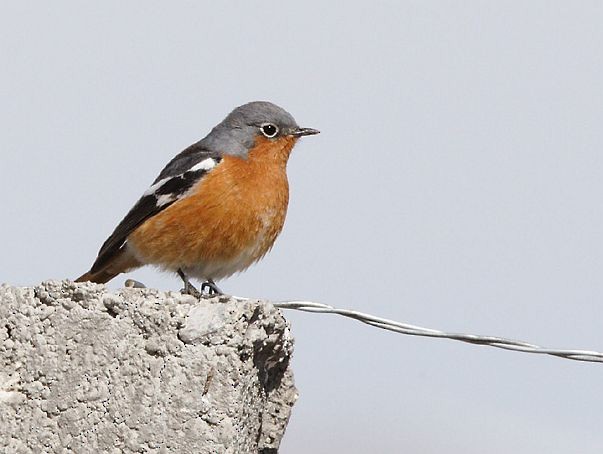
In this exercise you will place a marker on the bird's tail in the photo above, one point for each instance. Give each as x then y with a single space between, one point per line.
121 262
102 277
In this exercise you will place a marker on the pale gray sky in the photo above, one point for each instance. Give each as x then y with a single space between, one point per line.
457 185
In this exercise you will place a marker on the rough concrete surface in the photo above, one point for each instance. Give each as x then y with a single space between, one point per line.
140 371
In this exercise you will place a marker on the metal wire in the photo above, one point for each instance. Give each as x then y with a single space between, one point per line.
412 330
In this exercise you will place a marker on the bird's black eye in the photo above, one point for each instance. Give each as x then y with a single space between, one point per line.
269 130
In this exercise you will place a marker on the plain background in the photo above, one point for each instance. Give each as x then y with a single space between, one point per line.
457 185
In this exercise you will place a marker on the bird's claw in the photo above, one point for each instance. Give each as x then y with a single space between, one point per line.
210 288
190 289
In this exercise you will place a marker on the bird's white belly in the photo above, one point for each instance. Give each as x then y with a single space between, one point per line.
220 269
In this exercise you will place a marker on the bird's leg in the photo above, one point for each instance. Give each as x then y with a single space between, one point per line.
189 289
211 287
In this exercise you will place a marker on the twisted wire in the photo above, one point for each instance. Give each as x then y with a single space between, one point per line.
413 330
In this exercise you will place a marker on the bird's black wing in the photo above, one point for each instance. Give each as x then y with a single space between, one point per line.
174 181
185 160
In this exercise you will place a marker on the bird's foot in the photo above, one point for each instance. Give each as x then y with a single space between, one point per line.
190 289
210 288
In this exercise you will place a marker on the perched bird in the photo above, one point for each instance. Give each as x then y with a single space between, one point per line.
216 208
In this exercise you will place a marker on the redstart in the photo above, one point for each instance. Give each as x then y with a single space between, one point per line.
216 208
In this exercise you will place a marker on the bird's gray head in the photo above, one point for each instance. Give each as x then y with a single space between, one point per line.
240 130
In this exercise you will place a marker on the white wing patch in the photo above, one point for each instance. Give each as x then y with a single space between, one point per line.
156 186
165 199
206 164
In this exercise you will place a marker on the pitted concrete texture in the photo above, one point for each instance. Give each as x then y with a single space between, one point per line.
140 371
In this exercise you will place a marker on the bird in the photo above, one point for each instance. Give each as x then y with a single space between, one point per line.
215 209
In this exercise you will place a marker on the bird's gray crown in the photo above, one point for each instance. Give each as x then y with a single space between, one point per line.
236 134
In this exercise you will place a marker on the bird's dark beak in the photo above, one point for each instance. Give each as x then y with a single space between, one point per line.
299 132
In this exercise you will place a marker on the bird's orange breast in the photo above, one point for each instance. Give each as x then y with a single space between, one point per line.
229 220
